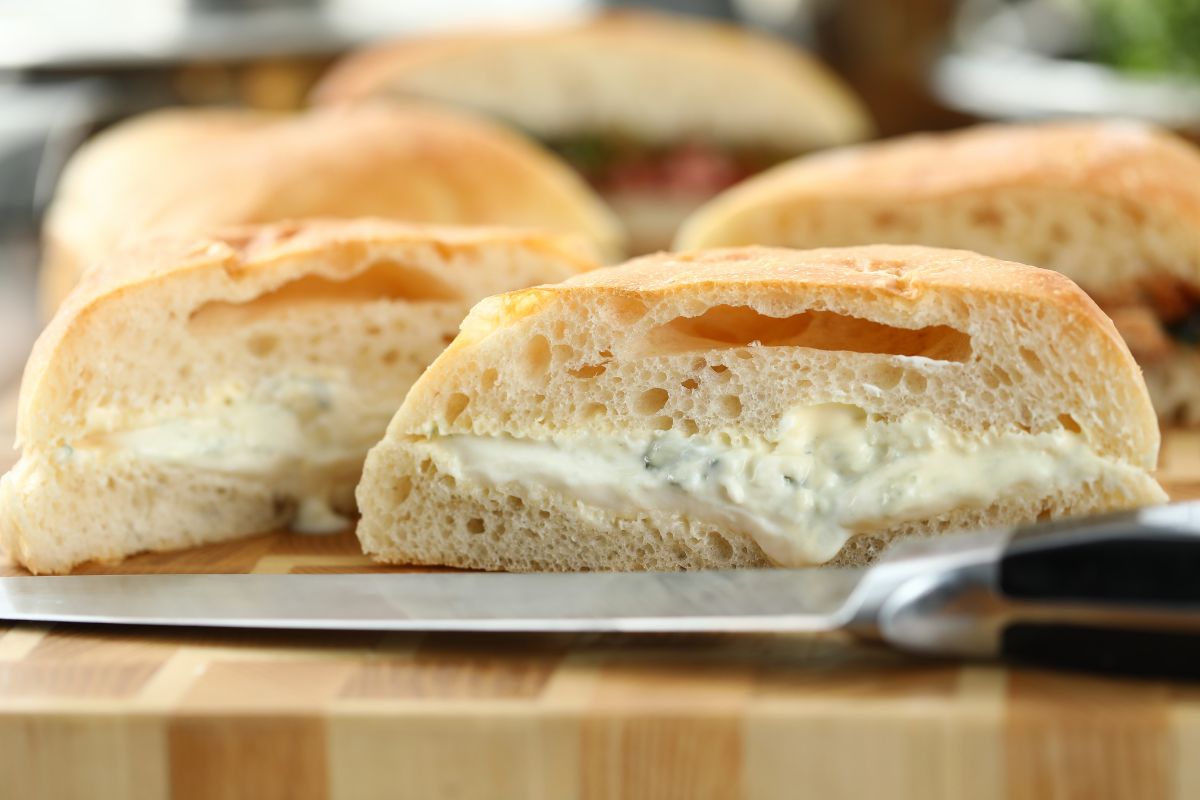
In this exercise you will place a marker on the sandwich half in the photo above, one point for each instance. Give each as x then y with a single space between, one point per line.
1115 206
753 407
197 392
189 171
657 112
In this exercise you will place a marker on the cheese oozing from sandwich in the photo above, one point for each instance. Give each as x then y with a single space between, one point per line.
833 471
293 432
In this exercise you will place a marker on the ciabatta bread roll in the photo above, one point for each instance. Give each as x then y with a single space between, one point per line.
658 112
189 171
229 386
749 407
1114 206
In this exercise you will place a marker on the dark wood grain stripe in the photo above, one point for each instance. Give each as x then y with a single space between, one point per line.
265 685
462 667
335 544
360 569
58 681
240 757
99 644
237 556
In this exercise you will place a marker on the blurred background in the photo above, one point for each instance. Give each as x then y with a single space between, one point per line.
68 68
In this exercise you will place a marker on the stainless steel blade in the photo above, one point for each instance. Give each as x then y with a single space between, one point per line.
743 600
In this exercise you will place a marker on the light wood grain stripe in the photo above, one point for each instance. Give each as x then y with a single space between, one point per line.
267 686
281 565
976 764
1079 737
1185 745
664 726
19 642
856 722
71 755
434 753
165 690
573 685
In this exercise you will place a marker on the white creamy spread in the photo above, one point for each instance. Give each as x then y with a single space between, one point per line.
833 472
285 432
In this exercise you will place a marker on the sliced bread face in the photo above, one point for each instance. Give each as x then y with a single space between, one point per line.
759 406
193 393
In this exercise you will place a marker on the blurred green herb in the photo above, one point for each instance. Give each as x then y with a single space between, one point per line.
590 155
1151 36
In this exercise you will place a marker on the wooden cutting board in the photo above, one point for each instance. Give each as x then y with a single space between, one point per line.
88 712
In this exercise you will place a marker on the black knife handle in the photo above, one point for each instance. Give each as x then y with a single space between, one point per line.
1136 560
1114 593
1118 559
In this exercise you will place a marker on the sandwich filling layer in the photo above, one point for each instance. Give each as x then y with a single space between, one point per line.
833 472
304 437
1159 318
694 168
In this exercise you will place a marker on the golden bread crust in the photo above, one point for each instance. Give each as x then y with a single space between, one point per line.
1135 174
608 56
1108 156
157 262
899 270
192 171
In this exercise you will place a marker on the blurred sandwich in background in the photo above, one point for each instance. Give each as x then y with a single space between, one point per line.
659 113
1115 206
190 171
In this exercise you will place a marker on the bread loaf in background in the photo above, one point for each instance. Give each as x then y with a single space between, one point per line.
189 171
1115 206
658 111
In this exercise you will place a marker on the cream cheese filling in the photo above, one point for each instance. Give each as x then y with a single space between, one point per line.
300 435
833 472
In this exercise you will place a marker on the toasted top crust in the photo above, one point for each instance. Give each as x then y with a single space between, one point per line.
191 171
1113 156
646 75
901 286
1152 175
180 275
898 271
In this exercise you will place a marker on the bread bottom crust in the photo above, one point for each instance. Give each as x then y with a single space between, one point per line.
58 515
